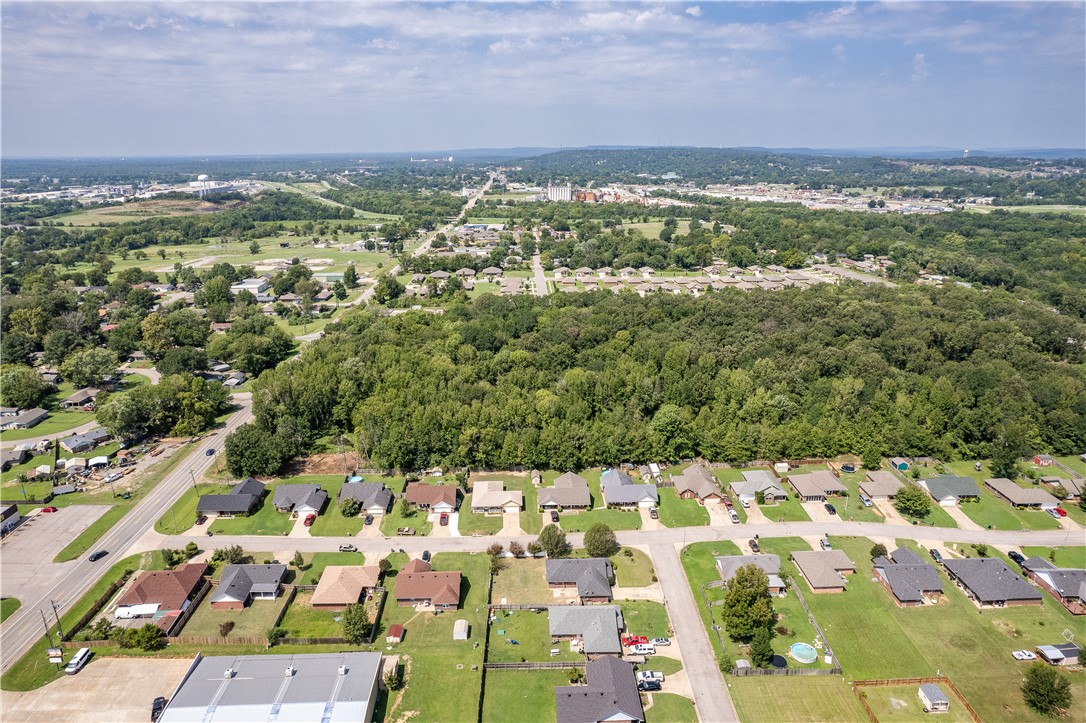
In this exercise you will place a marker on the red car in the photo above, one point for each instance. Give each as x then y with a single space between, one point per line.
309 519
48 509
631 640
444 519
1061 512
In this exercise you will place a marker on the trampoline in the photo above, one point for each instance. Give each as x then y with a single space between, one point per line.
803 652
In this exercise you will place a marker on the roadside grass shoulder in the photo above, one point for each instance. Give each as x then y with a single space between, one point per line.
8 605
182 515
670 708
700 568
1073 557
645 617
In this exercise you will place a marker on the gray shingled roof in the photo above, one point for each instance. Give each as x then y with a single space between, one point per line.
240 499
1020 495
239 581
880 483
611 693
287 497
770 564
1069 582
908 576
951 486
592 576
619 489
569 490
368 494
990 580
597 625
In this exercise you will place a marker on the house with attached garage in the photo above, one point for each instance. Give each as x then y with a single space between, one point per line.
343 585
948 490
1068 488
299 500
817 486
241 584
373 497
728 565
908 579
436 499
609 694
23 420
618 490
881 485
418 584
1068 585
989 582
1021 496
595 628
592 578
697 483
162 595
824 570
491 497
240 501
82 442
81 398
759 480
570 492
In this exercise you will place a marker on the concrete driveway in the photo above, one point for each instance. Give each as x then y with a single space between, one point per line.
114 689
647 523
961 518
373 529
817 512
511 524
755 515
889 512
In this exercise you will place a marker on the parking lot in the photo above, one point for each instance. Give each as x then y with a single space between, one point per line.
113 689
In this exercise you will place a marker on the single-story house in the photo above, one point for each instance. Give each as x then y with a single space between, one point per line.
900 464
82 442
466 273
759 480
1072 488
988 581
1068 585
816 486
162 595
395 633
728 565
417 584
881 485
373 497
1043 460
491 271
11 457
461 630
239 501
1021 496
908 579
241 584
435 498
595 626
950 489
1063 654
618 490
343 585
9 518
490 496
933 698
570 492
80 399
824 570
298 500
24 420
8 411
697 483
610 694
591 577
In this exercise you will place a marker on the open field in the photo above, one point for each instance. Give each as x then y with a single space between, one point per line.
139 211
900 703
774 699
522 582
1046 208
521 695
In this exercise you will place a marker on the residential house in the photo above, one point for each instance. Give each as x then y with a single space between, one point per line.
1068 585
697 483
300 499
759 480
618 490
23 420
11 457
594 627
728 565
908 579
9 518
591 577
900 464
881 485
343 585
82 398
491 272
933 698
8 411
1021 496
1043 460
239 501
491 497
163 595
816 486
1063 654
948 490
1071 488
610 694
82 442
824 570
570 492
241 584
373 497
989 582
418 584
436 499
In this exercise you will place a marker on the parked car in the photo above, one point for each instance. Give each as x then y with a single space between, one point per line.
631 640
209 452
157 706
654 514
727 503
830 508
348 548
425 555
745 503
648 686
753 545
405 531
368 520
936 555
48 509
1052 512
848 468
643 649
866 500
664 642
96 556
1023 655
201 519
825 542
444 519
554 516
1061 512
308 521
1017 556
735 517
650 675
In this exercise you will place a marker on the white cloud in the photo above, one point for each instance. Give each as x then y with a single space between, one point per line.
839 52
920 68
694 10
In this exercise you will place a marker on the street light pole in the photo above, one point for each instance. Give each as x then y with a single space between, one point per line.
58 618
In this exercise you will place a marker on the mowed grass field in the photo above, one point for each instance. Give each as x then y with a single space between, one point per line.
776 699
522 695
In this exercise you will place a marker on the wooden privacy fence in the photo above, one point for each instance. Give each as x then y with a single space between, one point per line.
217 640
858 685
519 607
97 606
744 672
312 641
549 665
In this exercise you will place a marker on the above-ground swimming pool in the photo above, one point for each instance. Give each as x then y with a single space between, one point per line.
803 652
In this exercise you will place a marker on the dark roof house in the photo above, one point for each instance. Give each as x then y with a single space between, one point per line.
242 583
989 581
592 577
907 578
299 499
371 496
610 695
240 500
1068 585
570 491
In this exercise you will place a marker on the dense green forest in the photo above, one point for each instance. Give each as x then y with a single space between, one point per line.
420 209
575 380
723 165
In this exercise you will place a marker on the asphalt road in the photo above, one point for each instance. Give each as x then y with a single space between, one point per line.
24 627
540 277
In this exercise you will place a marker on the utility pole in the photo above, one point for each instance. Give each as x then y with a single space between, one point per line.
57 617
46 624
193 478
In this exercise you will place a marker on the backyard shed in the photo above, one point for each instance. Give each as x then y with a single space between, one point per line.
460 630
395 634
933 698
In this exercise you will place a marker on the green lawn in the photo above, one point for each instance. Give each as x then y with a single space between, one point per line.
995 512
670 708
633 571
302 621
33 670
677 512
530 519
55 424
8 605
645 617
910 709
851 509
788 510
315 563
265 521
417 521
254 620
700 568
1073 557
182 515
615 519
664 664
531 631
522 582
521 695
772 699
470 522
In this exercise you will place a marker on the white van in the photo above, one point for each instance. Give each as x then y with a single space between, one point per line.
735 517
78 661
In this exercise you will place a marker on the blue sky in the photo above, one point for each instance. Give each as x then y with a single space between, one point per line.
243 78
